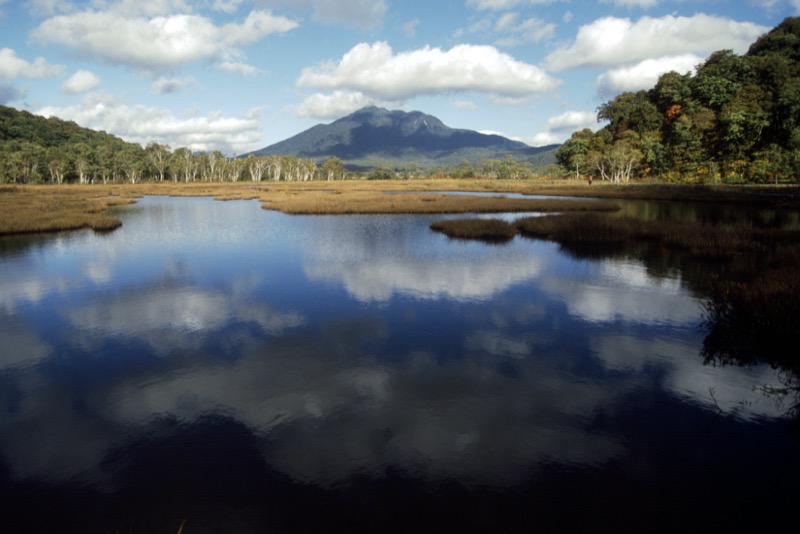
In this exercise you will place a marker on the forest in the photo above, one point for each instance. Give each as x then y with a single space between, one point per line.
735 120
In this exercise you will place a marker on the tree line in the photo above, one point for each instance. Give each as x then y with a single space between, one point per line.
28 162
736 119
35 149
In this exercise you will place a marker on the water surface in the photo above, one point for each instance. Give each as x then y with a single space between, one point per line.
248 371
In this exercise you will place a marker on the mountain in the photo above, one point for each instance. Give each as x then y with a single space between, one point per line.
375 136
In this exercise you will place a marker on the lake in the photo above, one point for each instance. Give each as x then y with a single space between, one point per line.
215 367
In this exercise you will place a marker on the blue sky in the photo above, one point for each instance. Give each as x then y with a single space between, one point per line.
237 75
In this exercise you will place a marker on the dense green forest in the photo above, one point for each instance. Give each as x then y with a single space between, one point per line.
736 119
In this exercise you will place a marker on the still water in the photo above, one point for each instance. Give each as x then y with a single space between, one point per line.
229 369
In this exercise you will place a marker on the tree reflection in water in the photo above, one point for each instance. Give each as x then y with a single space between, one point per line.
748 323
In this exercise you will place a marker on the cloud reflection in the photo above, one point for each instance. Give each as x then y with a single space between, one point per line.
533 357
386 256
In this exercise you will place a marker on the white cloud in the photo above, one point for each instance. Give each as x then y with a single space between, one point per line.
645 74
614 41
376 71
558 128
81 82
543 139
12 66
162 42
237 67
332 106
571 121
141 124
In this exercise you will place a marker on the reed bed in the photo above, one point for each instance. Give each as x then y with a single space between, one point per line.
382 202
708 241
491 230
45 208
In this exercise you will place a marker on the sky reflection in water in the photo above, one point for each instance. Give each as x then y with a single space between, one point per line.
347 346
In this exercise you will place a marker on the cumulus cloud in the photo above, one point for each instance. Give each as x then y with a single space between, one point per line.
12 66
612 41
375 70
558 128
543 139
645 74
332 106
142 124
81 82
237 67
157 43
571 121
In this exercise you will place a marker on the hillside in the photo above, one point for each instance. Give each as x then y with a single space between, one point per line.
22 126
375 136
34 148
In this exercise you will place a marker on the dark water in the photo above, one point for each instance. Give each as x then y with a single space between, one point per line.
230 369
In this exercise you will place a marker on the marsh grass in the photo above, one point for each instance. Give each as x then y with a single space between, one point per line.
45 208
702 240
491 230
382 202
48 208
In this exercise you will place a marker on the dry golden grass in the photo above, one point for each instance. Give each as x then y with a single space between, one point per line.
45 208
31 209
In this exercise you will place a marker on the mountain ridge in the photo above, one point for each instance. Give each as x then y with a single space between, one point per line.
375 136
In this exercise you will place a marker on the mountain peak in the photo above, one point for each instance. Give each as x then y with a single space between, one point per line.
377 136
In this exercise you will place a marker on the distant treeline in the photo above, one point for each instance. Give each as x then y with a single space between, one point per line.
35 149
736 119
